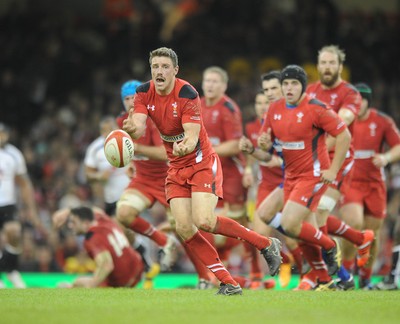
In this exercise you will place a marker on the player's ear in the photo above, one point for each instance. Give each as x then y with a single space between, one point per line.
176 69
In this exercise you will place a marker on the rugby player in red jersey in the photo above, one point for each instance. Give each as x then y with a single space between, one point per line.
366 199
194 180
147 183
269 200
117 263
222 119
346 101
300 124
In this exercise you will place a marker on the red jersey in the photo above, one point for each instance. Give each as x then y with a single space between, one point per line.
369 136
169 113
107 236
223 122
300 130
274 176
345 95
143 165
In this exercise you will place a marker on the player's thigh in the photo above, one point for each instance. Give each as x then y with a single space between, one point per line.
131 203
352 214
293 214
272 204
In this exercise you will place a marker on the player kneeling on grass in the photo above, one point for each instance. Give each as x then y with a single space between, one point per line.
117 263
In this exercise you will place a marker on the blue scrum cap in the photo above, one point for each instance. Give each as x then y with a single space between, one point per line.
129 88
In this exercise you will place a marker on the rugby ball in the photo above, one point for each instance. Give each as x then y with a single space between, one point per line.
119 148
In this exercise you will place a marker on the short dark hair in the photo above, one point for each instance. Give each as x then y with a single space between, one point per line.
274 74
83 213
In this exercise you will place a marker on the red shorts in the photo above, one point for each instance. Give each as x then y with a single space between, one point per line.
234 192
205 176
370 195
127 274
304 191
343 178
263 191
153 189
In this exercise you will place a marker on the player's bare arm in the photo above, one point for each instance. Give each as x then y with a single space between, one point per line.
228 148
93 175
156 153
28 199
135 124
342 145
104 266
391 156
348 117
60 217
189 143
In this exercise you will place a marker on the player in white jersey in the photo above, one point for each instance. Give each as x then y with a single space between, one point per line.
100 172
15 188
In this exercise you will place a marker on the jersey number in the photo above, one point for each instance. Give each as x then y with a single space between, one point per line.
118 241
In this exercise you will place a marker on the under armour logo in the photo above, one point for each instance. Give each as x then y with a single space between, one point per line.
305 199
207 185
152 108
277 117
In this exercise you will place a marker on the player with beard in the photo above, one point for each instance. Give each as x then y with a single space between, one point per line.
346 101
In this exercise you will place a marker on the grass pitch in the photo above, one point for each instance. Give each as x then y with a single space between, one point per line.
193 306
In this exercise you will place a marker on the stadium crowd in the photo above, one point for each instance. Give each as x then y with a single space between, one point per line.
61 73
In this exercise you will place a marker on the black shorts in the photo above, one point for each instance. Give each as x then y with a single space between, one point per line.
110 209
7 214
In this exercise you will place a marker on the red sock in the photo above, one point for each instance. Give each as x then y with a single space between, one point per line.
285 257
340 228
349 265
201 269
230 243
324 229
297 257
243 281
141 226
253 254
208 236
203 250
225 250
228 227
365 273
313 255
310 234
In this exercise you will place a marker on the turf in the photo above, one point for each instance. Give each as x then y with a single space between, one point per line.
114 306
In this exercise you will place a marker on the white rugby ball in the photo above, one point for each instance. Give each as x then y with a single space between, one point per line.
119 148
